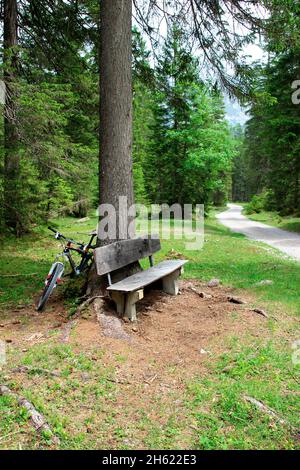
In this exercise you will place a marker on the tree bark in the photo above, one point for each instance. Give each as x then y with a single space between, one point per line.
11 196
115 158
116 177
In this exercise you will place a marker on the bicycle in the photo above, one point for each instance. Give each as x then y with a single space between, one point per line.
58 268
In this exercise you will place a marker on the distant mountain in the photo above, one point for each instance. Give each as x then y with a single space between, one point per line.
235 114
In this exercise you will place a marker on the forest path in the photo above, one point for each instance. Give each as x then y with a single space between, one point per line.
287 242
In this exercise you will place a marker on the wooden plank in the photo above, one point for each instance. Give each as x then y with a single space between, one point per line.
144 278
117 255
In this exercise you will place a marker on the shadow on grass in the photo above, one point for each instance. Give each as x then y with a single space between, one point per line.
21 278
221 230
291 227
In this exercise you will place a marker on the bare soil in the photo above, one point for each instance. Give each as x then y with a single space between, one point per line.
171 331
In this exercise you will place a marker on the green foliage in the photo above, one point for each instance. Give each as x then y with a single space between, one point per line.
142 116
255 205
261 202
190 148
240 170
210 153
183 149
52 180
272 134
57 111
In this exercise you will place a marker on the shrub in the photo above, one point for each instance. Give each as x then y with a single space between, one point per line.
261 202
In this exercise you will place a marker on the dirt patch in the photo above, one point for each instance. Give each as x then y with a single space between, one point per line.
171 331
180 332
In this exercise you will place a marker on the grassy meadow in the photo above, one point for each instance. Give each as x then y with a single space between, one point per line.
209 410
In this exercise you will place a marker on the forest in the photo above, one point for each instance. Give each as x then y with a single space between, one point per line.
164 102
267 166
184 148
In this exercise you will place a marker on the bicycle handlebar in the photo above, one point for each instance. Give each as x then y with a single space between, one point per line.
60 235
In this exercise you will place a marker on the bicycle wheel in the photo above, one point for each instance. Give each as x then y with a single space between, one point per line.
56 274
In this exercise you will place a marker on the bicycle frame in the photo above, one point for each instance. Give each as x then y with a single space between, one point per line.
82 250
58 267
53 267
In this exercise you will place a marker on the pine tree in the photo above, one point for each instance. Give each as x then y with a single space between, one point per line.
190 148
177 74
12 210
272 135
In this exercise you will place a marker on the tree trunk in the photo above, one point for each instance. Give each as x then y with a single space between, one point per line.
115 159
116 177
11 188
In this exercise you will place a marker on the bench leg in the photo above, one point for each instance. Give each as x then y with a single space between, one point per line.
131 299
119 300
170 283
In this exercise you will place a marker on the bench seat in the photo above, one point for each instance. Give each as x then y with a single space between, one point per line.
150 275
129 291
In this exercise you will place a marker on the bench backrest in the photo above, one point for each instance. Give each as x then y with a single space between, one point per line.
117 255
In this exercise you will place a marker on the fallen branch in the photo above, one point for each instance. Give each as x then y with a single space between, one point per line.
203 295
26 369
194 290
19 275
265 409
236 300
260 312
37 419
67 331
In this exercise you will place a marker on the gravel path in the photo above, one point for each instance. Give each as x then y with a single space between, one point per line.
287 242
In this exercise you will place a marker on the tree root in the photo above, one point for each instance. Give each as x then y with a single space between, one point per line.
85 304
26 369
72 323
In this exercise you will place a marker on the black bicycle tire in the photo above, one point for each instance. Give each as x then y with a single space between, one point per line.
49 288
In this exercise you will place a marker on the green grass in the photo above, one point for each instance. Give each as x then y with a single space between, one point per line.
289 223
33 255
230 257
241 263
87 410
209 413
59 399
232 422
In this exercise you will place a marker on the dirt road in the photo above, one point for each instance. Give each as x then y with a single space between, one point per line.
287 242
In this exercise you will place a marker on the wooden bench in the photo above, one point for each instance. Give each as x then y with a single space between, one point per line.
130 289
